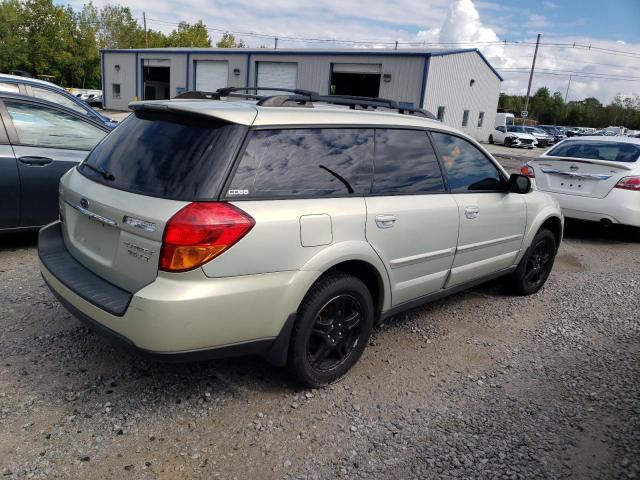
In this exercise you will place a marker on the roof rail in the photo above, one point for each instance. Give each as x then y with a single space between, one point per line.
304 98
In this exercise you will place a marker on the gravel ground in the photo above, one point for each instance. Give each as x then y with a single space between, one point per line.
479 385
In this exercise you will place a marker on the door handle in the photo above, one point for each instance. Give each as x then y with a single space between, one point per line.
35 161
385 221
471 212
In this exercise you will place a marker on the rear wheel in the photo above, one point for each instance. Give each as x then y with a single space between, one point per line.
536 265
332 330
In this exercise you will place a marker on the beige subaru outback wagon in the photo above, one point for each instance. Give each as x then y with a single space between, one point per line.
284 225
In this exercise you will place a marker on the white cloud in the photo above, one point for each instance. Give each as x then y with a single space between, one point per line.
549 5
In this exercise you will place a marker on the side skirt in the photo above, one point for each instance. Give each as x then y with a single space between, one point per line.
445 292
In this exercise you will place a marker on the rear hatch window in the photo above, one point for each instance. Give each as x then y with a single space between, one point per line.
594 150
162 154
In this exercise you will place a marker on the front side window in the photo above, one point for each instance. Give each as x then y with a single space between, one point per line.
56 97
480 119
613 151
305 162
115 89
441 114
46 127
465 118
467 168
405 163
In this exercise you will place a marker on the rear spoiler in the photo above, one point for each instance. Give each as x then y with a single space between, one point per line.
606 163
240 116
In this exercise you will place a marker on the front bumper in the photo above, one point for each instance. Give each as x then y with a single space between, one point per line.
182 317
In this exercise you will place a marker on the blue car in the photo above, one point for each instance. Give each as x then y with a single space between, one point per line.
33 87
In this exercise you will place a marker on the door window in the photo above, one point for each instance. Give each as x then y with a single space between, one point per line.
55 97
9 87
46 127
305 163
405 163
467 168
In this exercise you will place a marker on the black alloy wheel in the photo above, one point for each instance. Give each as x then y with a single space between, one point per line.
335 333
538 264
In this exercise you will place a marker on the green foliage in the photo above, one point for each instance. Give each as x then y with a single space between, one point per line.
42 38
551 109
228 40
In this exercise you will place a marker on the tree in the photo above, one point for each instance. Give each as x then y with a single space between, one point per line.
187 35
118 28
13 53
228 40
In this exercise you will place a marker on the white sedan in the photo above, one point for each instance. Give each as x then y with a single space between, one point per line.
593 178
512 136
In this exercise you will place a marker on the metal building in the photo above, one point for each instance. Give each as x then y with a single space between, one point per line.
459 86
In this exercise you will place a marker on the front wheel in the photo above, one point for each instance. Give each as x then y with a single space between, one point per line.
491 139
535 267
332 330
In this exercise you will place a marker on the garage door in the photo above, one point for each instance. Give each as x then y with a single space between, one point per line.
211 75
277 74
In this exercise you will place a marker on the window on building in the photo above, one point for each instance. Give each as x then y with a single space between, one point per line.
405 163
480 119
468 169
115 90
441 114
305 163
465 118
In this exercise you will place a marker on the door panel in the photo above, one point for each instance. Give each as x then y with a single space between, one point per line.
9 188
415 236
40 170
492 226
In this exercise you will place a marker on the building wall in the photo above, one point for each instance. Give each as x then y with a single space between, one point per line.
314 72
448 85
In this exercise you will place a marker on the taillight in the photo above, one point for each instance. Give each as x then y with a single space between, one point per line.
200 232
629 183
527 170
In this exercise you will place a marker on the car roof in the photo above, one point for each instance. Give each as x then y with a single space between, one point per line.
248 113
34 81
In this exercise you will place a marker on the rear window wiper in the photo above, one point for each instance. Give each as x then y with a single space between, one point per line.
343 180
104 173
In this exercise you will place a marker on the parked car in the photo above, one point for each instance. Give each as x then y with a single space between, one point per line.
204 228
512 136
543 138
593 178
39 142
48 91
557 132
95 102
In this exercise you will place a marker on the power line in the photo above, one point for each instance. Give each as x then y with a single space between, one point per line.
574 75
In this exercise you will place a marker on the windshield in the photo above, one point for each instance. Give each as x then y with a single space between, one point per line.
165 155
597 150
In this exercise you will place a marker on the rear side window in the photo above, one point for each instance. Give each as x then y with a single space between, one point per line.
616 152
467 168
166 155
58 98
405 163
304 163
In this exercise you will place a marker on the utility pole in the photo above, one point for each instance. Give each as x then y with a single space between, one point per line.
533 66
146 38
276 45
568 86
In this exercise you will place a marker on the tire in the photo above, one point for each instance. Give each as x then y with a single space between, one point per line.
536 265
491 139
508 142
332 330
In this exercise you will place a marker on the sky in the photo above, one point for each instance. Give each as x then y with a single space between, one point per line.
610 28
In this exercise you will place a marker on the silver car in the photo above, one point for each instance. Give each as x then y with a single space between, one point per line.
285 226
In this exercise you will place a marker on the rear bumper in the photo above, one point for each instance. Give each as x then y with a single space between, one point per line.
184 317
619 206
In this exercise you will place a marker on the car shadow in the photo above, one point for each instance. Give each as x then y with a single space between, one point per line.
581 230
18 240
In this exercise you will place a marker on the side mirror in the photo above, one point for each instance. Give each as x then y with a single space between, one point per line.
519 183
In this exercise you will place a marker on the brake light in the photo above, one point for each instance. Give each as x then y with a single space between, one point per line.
200 232
629 183
527 171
